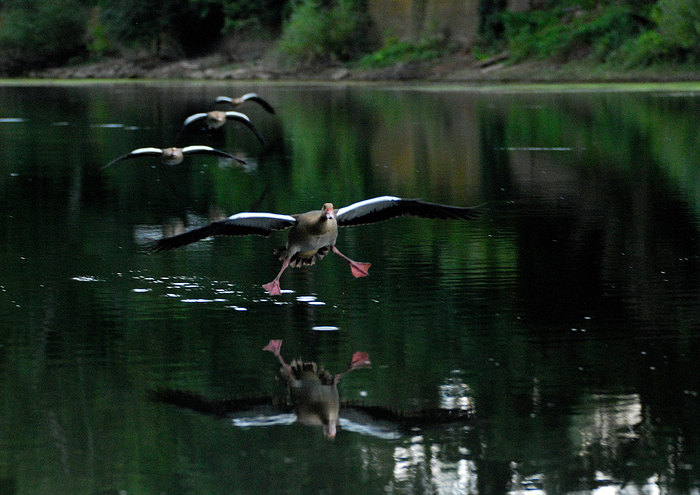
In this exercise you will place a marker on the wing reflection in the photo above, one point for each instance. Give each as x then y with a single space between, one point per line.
313 399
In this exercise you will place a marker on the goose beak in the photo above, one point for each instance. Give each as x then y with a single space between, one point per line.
328 210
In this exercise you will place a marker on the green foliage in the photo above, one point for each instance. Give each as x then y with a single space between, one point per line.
43 29
319 32
98 43
187 27
136 20
397 51
265 14
679 23
564 33
646 49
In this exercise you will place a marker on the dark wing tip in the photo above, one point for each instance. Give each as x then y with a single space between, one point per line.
441 212
123 157
268 108
226 227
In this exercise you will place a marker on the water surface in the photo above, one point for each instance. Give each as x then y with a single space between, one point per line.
564 320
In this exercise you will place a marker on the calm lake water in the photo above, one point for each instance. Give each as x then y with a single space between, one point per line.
561 328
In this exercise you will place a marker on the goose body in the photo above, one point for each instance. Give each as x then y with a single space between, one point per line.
246 97
217 118
314 233
173 155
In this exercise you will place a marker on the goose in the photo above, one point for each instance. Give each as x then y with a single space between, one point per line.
173 155
217 118
314 233
242 99
312 398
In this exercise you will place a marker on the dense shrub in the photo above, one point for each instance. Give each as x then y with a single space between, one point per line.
679 24
39 32
567 33
396 51
162 26
260 15
320 32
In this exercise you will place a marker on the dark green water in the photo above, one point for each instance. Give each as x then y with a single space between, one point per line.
567 318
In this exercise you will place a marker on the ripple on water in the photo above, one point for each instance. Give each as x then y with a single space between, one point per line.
86 278
325 328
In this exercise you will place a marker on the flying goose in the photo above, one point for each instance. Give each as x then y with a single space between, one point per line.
217 118
242 99
174 156
314 233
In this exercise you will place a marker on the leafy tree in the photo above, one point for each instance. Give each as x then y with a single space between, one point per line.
679 23
260 15
158 22
323 31
39 32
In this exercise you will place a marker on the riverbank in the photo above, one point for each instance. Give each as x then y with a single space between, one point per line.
454 69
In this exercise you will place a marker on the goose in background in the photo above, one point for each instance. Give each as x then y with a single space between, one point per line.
236 102
314 233
217 118
173 155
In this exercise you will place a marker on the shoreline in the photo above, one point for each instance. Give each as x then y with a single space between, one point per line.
456 69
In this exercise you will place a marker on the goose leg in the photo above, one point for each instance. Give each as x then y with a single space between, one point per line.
358 269
274 347
274 287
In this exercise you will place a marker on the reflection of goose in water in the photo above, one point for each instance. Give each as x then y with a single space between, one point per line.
313 390
314 400
174 156
236 102
217 118
314 233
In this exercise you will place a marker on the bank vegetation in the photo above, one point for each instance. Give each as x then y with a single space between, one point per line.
295 35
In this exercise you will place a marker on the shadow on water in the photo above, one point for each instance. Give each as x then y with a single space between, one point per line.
565 319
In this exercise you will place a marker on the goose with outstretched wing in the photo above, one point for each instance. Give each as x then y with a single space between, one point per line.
314 233
173 155
236 102
217 118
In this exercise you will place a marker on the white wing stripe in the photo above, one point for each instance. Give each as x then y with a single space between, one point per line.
196 116
361 204
146 150
239 115
271 216
195 148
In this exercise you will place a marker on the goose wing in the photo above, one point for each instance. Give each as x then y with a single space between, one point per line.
187 150
138 152
194 118
386 207
248 96
254 97
243 119
247 223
